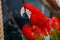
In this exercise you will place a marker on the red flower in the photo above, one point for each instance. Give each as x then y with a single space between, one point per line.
56 22
45 32
49 24
37 30
30 31
27 32
55 19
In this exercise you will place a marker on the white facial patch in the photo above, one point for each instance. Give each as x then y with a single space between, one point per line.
28 12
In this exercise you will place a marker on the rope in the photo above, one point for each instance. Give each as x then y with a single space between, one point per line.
1 24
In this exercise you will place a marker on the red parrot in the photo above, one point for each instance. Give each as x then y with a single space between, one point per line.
36 15
38 18
28 32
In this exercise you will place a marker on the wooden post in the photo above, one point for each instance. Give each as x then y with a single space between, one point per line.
1 23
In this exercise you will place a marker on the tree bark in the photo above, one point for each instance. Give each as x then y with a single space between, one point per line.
1 23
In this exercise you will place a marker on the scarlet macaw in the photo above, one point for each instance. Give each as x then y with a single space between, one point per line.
39 19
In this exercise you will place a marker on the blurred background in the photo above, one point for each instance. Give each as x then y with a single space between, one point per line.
15 6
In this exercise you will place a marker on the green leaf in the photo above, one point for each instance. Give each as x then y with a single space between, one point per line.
58 32
40 37
23 38
36 37
54 34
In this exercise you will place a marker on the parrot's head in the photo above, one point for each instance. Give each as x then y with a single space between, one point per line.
31 12
25 14
34 15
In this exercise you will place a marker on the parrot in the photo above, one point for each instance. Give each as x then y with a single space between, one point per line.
37 18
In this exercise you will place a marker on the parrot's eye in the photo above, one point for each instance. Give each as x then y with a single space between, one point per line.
28 12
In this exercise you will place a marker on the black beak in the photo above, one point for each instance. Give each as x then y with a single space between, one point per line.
26 19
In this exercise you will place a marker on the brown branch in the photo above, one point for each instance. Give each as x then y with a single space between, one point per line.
53 7
47 4
52 10
53 4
